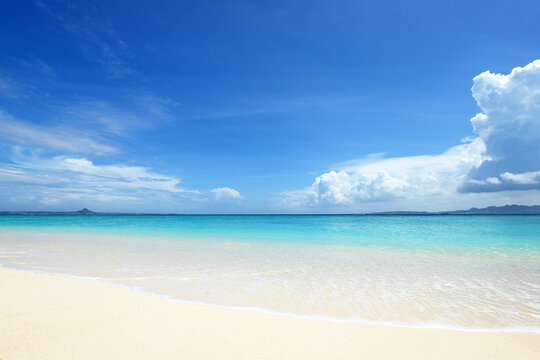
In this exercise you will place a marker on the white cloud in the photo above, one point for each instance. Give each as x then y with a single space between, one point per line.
117 176
510 127
60 169
505 155
375 179
63 138
68 178
49 201
527 178
226 193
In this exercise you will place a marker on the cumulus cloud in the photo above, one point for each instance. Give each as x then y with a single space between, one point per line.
226 193
509 125
527 178
376 179
504 156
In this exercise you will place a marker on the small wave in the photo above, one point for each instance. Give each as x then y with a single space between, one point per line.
312 317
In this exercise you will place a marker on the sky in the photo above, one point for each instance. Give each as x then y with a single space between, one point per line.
269 107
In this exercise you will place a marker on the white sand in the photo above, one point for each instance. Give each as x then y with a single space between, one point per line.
54 317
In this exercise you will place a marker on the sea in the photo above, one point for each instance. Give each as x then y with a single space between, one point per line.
465 272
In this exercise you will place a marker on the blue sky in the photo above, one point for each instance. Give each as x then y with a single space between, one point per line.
283 106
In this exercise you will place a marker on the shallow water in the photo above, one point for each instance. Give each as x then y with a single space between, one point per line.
458 271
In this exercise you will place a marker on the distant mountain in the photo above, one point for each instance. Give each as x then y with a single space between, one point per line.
501 210
84 211
490 210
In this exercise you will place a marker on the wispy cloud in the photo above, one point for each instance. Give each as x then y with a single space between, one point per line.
35 64
11 89
137 112
51 159
60 138
60 178
85 172
86 126
105 116
99 42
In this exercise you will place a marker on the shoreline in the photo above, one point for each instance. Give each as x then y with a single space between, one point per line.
61 317
302 316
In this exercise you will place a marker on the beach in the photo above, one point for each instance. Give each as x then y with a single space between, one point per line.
269 287
56 317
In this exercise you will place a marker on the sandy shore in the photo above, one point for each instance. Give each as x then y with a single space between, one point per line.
55 317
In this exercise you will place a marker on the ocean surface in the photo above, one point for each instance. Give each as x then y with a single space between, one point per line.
467 272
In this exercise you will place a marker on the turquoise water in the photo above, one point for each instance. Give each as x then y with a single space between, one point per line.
459 271
521 233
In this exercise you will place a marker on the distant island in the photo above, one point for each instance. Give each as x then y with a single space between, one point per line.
490 210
